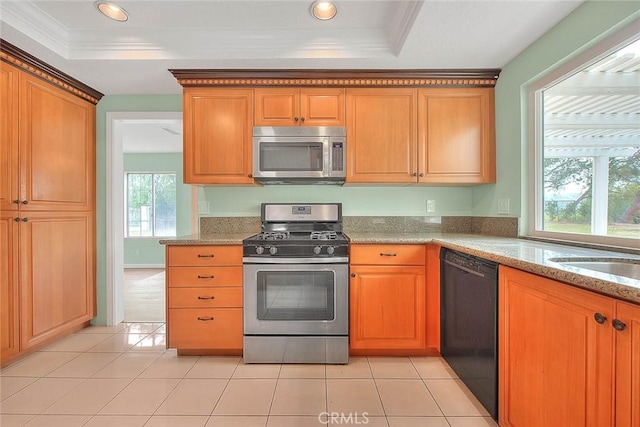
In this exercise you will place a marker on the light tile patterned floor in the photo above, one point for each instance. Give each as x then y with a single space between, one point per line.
122 376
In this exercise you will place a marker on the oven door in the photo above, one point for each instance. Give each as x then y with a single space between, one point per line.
296 299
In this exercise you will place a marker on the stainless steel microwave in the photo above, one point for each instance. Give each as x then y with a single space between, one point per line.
299 154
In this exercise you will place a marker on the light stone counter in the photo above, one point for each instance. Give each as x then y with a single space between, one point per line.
208 239
527 255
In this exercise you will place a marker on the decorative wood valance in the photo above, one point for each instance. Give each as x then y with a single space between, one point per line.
29 63
344 78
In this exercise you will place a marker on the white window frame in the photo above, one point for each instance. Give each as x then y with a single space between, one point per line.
126 204
604 48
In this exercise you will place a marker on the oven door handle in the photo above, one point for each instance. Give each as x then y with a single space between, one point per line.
283 260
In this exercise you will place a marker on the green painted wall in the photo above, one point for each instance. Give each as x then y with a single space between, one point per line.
145 251
584 27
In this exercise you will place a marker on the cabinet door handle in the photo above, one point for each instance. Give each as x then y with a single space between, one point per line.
17 202
207 298
206 277
302 119
250 175
206 256
16 219
353 274
388 254
205 319
600 318
25 219
415 174
295 119
619 325
421 174
25 202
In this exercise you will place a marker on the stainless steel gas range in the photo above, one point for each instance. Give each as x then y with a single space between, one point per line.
296 286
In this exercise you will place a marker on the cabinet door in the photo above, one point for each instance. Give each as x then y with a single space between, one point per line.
9 332
57 274
628 366
387 307
57 148
456 135
8 137
322 107
217 136
381 135
277 107
556 360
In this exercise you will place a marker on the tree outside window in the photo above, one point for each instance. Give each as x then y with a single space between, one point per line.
150 205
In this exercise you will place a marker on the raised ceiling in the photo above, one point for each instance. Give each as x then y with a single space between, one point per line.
133 57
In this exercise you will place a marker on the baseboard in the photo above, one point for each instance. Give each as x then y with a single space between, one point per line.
144 266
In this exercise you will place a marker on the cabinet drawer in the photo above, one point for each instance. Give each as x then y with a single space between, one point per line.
205 328
387 254
204 255
192 277
204 297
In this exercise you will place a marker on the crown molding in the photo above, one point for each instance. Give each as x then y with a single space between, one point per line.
29 63
346 78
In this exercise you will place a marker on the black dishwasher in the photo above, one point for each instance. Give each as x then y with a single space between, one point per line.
468 322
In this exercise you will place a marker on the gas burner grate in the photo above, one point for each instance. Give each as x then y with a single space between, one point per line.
273 235
323 235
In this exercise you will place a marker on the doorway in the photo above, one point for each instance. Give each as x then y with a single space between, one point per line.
155 136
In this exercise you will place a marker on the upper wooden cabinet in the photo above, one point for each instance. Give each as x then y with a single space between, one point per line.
299 107
217 136
456 135
440 135
381 135
9 187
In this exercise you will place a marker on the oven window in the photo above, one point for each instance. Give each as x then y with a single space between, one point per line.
296 295
305 157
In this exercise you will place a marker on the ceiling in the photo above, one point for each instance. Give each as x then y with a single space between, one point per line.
133 57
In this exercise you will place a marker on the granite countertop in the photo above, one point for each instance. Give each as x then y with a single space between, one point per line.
208 239
527 255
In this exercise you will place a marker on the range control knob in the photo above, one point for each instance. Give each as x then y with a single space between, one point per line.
330 250
273 250
259 250
316 250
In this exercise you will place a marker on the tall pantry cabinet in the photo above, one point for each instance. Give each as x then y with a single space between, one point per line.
47 202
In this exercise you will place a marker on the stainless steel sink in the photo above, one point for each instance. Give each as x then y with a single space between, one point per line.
616 266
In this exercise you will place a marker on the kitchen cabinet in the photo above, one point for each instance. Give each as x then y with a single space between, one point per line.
456 135
436 135
9 308
218 127
47 151
288 106
9 178
567 356
387 299
204 299
381 135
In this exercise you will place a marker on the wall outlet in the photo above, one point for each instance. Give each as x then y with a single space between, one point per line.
503 206
431 206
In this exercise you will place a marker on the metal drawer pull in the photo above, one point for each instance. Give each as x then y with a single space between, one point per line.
205 319
207 298
619 325
600 318
206 256
206 277
388 254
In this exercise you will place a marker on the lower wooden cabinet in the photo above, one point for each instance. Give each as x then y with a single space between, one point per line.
204 299
568 357
387 299
48 277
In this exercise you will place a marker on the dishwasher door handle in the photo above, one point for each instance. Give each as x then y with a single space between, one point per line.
468 270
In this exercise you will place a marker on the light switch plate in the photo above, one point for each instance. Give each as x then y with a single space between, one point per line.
431 206
503 206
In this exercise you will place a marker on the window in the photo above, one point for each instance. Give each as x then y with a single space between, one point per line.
150 204
587 148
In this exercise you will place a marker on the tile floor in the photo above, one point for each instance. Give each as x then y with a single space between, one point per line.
122 376
144 295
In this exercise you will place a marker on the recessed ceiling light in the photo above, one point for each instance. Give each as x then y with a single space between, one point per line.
324 10
112 10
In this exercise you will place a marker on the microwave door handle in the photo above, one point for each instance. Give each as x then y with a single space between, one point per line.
327 158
